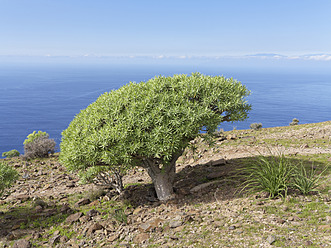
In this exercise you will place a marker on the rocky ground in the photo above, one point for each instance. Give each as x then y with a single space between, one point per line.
48 207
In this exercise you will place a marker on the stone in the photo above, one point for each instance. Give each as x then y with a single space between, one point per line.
201 186
92 213
232 227
280 220
140 238
65 208
94 227
217 162
113 237
150 225
175 223
73 218
22 243
271 239
82 202
328 219
54 240
22 197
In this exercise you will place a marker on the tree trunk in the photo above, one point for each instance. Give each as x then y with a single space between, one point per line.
163 180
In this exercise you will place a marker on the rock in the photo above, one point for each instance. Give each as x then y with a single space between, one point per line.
328 219
73 218
150 225
71 185
140 238
175 223
280 220
92 213
54 240
94 227
64 239
23 197
201 186
231 137
271 239
82 202
232 227
22 243
308 243
113 237
218 162
65 208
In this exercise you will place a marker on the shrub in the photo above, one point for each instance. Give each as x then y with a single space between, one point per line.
306 181
11 154
38 145
8 175
149 124
269 174
256 126
294 122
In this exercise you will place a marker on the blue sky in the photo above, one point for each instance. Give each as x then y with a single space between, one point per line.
165 28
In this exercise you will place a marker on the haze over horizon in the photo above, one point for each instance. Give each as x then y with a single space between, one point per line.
162 30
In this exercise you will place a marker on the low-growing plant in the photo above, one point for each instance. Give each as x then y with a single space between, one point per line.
120 216
11 153
294 122
256 126
38 145
8 176
306 181
269 174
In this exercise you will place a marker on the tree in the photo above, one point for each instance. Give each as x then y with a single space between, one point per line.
149 124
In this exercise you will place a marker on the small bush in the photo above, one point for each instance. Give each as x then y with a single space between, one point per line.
8 176
294 122
256 126
39 147
11 154
306 181
269 174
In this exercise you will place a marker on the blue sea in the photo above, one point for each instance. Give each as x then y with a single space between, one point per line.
47 96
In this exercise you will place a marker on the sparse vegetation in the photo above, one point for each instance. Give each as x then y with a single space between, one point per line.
8 175
11 153
38 145
306 181
269 174
294 122
256 126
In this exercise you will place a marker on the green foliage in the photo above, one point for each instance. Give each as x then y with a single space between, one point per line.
34 135
153 120
11 154
306 181
8 176
256 126
269 174
38 145
294 122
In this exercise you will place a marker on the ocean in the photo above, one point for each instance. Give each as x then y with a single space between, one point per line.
47 96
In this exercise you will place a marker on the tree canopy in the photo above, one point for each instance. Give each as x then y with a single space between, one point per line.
150 123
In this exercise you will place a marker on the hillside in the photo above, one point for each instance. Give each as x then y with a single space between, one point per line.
47 207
